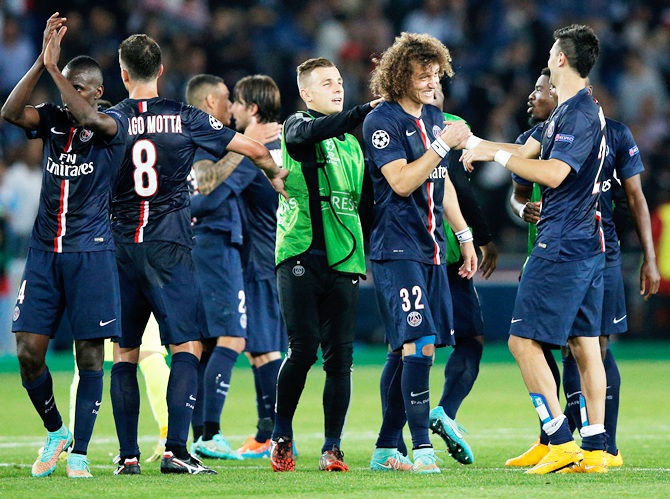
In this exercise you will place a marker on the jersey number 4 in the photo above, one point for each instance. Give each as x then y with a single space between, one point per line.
145 175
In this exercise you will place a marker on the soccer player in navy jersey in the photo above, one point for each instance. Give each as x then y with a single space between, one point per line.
256 101
151 222
216 212
621 171
407 144
525 201
560 295
71 256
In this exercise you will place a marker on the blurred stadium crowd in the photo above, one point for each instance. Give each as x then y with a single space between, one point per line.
498 48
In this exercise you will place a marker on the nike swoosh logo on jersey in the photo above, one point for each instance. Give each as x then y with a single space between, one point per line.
354 281
191 397
103 324
49 401
97 403
409 134
417 394
570 395
53 130
516 320
616 321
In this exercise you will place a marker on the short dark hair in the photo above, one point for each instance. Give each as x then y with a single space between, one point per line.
141 56
85 64
262 91
580 45
199 86
306 68
545 72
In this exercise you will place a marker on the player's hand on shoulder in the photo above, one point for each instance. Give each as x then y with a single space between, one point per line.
263 132
376 102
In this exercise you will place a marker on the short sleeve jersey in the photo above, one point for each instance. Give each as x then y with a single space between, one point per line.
405 228
79 171
622 162
259 203
152 199
575 134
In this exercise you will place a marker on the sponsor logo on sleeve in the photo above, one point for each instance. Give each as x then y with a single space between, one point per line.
564 137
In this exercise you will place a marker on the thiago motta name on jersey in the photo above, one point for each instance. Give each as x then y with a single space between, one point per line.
67 166
160 123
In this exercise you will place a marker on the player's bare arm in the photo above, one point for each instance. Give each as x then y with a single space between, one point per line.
650 278
521 204
210 174
453 215
404 178
86 115
484 150
16 109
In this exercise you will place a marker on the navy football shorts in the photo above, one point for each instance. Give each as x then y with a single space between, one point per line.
414 301
614 302
159 277
557 300
219 270
468 320
265 328
87 283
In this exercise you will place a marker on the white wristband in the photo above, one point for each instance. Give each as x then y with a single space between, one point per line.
440 147
502 157
521 210
464 236
472 142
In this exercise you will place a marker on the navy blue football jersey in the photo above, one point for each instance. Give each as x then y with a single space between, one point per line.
219 211
79 171
405 228
575 134
152 199
534 132
259 203
622 162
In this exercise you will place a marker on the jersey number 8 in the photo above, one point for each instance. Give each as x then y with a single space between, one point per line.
145 175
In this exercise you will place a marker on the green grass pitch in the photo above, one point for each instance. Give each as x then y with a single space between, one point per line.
498 415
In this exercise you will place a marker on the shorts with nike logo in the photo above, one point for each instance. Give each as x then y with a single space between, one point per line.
614 302
159 277
414 301
85 282
558 300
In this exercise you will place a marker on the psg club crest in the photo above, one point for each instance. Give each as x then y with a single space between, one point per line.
298 270
414 318
550 129
215 124
380 139
85 135
17 312
437 131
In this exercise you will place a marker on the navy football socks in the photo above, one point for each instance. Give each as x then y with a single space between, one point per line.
612 401
125 394
460 374
89 398
41 394
415 391
393 407
181 399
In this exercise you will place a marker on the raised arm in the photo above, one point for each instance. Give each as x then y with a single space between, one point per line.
639 211
404 178
16 109
83 112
